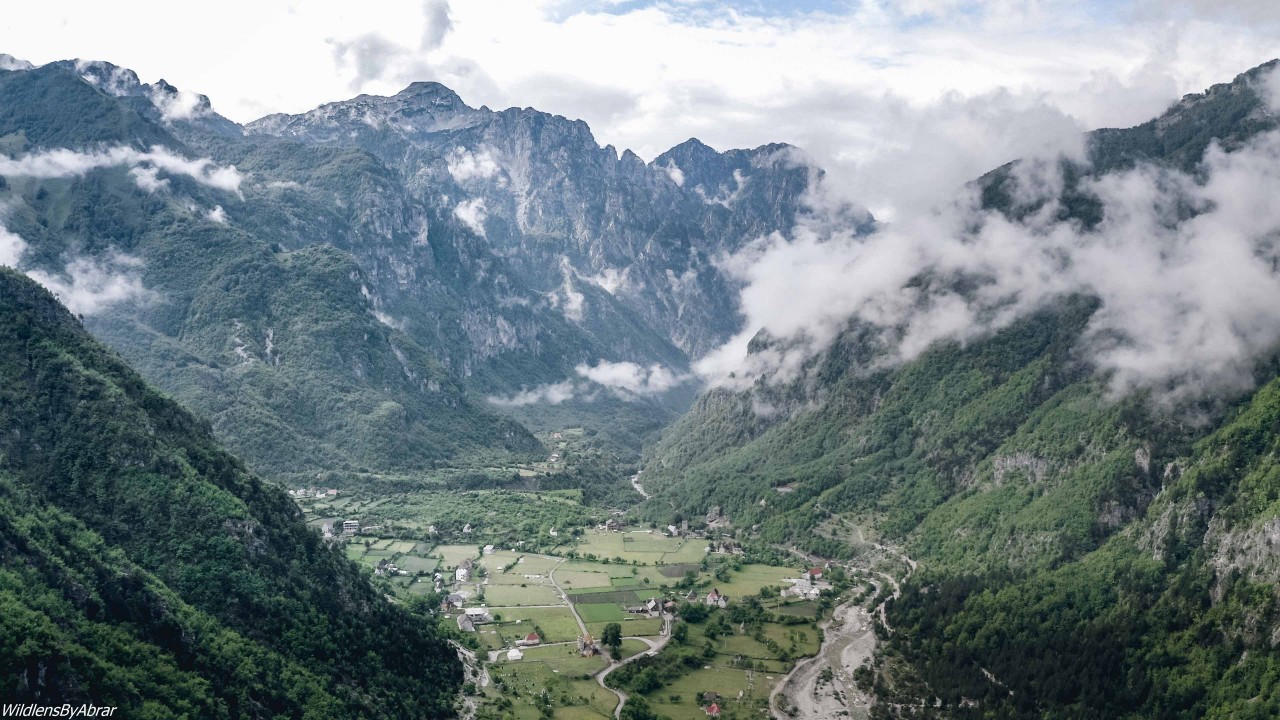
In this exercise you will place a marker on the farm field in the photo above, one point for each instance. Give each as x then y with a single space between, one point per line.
555 624
642 546
508 595
751 578
454 554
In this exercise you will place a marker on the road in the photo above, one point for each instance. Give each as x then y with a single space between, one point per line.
655 646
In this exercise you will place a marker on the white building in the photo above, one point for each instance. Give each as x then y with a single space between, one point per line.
514 654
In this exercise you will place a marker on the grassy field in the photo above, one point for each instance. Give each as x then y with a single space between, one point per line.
631 627
726 681
582 579
572 698
563 659
454 554
751 578
504 595
601 612
642 546
556 624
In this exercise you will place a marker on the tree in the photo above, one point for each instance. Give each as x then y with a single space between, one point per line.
680 633
612 636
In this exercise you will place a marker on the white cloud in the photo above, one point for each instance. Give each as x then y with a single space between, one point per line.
70 163
86 285
549 394
630 377
675 173
148 178
218 215
465 165
472 213
1187 305
12 64
12 248
627 380
178 105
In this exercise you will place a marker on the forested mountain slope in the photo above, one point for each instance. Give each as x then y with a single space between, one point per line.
141 566
1083 552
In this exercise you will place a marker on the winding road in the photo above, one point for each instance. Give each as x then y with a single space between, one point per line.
655 646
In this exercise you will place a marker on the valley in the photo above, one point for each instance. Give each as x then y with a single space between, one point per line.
408 407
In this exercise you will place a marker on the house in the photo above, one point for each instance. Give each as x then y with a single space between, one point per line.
710 697
453 600
514 654
467 528
713 710
530 639
652 606
715 599
552 532
488 549
672 531
350 527
331 492
587 647
465 624
462 574
431 529
693 595
612 524
637 610
555 457
815 573
556 436
478 615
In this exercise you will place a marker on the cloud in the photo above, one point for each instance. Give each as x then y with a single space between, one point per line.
437 25
472 213
630 377
549 394
10 63
218 215
626 380
675 173
86 286
70 163
148 178
178 104
1187 303
12 248
465 165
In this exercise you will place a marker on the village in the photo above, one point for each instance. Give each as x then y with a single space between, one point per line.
569 611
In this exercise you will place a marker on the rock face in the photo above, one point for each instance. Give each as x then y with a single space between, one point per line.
593 233
384 264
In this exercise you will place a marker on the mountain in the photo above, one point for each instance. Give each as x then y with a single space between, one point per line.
1082 553
582 224
142 567
379 285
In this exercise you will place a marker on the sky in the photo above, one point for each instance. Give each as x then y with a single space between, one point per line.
859 85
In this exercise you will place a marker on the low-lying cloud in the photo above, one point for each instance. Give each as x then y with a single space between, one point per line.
626 380
465 165
86 285
472 213
145 167
1185 268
